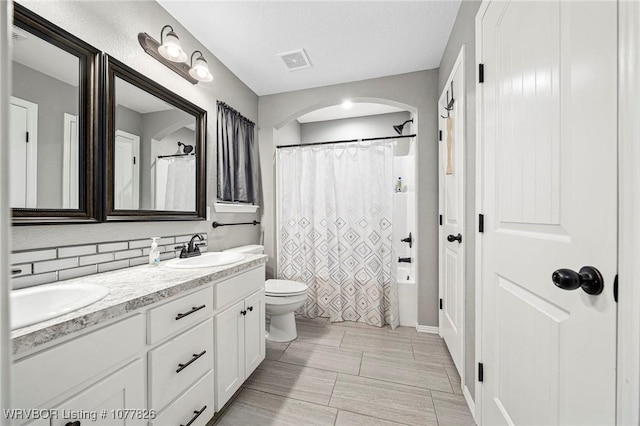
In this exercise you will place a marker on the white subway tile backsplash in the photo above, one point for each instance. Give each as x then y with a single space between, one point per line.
21 270
166 240
96 258
31 280
67 274
111 266
33 256
76 251
139 261
128 254
113 246
140 243
167 255
55 265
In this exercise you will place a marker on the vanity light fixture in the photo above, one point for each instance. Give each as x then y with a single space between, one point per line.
200 69
170 47
169 52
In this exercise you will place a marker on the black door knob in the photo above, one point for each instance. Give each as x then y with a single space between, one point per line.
451 238
589 279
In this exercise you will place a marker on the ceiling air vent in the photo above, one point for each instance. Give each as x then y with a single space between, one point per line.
18 35
295 60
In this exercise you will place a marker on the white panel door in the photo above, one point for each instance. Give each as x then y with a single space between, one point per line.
23 140
548 173
126 175
451 188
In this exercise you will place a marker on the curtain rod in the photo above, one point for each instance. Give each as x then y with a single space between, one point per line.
174 155
346 141
235 111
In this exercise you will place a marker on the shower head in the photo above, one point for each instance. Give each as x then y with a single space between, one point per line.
400 127
186 149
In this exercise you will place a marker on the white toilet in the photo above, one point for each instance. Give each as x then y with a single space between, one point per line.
282 298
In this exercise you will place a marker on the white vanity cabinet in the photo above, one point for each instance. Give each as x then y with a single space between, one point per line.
170 358
240 344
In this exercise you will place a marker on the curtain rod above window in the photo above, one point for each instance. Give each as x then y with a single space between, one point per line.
235 111
346 141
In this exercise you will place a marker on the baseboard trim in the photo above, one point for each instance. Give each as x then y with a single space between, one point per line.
427 329
470 403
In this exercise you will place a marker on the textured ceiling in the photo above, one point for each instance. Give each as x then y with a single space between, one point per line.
344 40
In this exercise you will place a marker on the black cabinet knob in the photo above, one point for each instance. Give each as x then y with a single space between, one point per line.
589 279
451 238
250 308
243 312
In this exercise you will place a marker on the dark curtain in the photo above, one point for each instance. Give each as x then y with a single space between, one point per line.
237 157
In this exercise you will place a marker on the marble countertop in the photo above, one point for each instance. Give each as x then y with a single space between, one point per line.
129 289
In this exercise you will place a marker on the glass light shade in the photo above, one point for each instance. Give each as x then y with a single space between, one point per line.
200 70
171 48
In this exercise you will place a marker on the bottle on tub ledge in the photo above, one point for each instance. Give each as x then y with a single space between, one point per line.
399 185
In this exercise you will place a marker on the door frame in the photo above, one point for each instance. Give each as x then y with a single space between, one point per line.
32 150
459 64
6 23
628 364
477 408
628 330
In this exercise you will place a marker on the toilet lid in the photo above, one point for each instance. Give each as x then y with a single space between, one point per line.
284 287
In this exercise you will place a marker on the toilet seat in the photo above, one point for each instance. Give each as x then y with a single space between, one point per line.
284 288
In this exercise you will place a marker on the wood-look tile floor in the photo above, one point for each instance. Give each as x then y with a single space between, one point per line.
348 374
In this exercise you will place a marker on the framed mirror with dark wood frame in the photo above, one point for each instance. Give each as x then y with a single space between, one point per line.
53 118
155 150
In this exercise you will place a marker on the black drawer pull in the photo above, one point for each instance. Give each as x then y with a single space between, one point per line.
15 272
195 356
76 423
197 414
250 308
194 309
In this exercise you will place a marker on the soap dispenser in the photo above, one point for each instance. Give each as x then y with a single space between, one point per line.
154 253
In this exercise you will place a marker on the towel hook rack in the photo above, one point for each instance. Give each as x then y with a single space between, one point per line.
450 102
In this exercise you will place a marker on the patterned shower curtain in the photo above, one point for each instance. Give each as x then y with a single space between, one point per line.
335 205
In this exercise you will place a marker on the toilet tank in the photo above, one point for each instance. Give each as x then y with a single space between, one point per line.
249 249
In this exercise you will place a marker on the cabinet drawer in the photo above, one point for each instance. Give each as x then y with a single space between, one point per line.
45 375
191 353
179 314
197 399
238 287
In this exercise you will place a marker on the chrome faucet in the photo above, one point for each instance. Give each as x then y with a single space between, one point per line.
192 249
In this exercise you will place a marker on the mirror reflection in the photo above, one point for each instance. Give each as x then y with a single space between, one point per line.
43 131
154 153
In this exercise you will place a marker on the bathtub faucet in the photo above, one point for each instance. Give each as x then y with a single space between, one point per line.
409 240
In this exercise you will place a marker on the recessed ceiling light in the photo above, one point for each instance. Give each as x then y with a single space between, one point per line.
347 104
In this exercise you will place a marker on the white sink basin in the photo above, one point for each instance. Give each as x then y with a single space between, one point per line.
40 303
206 260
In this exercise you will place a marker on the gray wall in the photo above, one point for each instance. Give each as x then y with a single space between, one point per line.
113 28
416 92
464 34
54 98
371 126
